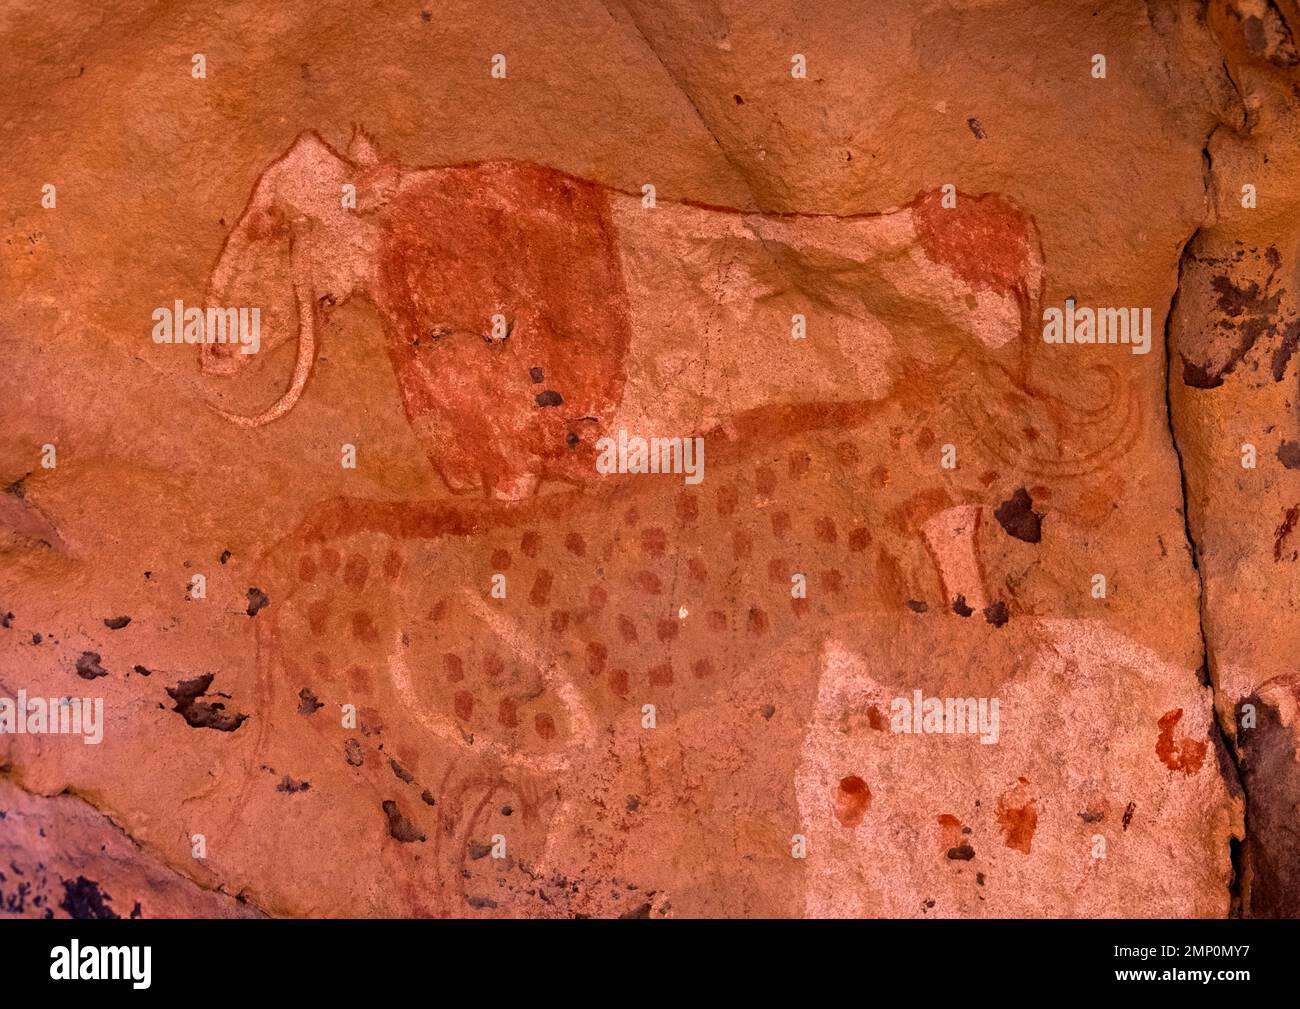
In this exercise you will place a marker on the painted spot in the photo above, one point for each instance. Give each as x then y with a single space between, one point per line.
1183 754
356 571
851 801
949 832
1018 816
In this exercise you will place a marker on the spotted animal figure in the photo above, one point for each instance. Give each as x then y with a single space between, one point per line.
527 315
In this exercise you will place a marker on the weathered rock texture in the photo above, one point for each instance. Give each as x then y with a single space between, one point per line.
905 488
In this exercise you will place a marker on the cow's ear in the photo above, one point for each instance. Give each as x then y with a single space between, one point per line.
361 149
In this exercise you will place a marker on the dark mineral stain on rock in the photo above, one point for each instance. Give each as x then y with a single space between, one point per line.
352 753
976 128
401 772
962 853
961 608
996 614
83 899
399 826
307 702
1284 529
116 623
768 710
141 670
257 599
6 619
201 714
550 398
477 850
917 606
225 556
427 798
536 375
1288 454
88 667
1271 851
287 784
481 902
1017 517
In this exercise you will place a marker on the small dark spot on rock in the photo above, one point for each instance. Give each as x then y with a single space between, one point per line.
200 714
642 910
738 99
426 16
287 784
506 811
352 753
480 902
477 850
83 899
116 623
1128 813
917 606
402 773
572 440
979 878
141 670
427 798
399 826
1091 817
88 667
996 614
768 710
960 608
1017 517
549 398
976 128
307 702
536 375
962 853
6 619
257 600
1288 454
137 911
225 556
633 803
37 639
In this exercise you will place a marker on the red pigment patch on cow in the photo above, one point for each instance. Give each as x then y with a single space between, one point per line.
537 247
1183 754
1018 816
852 800
984 240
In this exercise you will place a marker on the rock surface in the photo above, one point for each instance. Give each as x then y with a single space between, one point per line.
377 632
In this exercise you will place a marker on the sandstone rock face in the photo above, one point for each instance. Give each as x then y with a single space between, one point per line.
670 474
